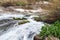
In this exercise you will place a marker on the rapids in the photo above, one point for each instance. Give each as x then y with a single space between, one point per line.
10 30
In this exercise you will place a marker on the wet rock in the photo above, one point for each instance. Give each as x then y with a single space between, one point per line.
19 18
37 19
23 22
46 17
27 15
37 37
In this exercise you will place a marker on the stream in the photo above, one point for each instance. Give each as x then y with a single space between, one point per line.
10 30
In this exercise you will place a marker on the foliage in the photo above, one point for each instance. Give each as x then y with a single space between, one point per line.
20 3
50 30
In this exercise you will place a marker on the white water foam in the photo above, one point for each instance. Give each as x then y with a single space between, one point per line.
22 32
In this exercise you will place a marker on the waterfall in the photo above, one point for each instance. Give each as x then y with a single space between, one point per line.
12 31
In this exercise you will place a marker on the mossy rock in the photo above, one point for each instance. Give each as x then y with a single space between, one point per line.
23 22
37 18
19 18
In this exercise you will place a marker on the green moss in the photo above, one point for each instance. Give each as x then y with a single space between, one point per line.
23 22
48 30
19 18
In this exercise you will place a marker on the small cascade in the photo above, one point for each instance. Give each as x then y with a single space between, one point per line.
10 30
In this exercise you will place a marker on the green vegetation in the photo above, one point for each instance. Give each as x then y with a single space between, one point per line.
19 18
20 3
50 30
23 22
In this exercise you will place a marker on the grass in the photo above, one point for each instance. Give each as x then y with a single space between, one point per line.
50 30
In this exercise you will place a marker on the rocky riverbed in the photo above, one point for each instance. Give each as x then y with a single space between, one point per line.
11 30
17 23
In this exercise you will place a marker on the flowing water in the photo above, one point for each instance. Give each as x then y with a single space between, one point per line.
10 30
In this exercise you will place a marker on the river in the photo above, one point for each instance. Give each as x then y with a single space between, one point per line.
10 30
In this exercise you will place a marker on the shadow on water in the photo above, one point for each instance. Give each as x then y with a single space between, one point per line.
5 24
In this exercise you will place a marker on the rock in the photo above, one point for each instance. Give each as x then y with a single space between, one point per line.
49 15
19 18
23 22
49 18
37 19
51 38
37 37
46 38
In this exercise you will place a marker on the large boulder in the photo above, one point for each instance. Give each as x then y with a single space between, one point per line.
51 13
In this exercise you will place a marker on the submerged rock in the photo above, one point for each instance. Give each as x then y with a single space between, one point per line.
23 22
37 19
19 18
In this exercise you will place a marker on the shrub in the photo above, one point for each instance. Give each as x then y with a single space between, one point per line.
50 30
